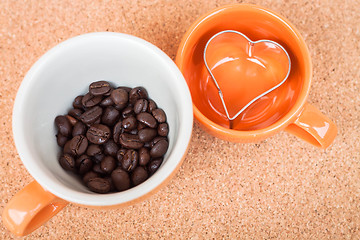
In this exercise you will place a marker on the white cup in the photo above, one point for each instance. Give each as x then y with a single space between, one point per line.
48 90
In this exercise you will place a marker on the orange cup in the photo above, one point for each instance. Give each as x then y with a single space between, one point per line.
285 108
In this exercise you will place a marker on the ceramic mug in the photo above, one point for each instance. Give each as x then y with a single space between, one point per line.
48 90
285 108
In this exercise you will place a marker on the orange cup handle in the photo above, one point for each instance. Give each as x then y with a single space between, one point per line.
313 127
30 208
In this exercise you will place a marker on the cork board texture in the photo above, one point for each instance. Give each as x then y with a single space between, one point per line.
280 188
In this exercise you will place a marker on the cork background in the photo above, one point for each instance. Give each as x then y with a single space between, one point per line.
280 188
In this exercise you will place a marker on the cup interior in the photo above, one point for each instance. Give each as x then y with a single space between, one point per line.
66 72
257 24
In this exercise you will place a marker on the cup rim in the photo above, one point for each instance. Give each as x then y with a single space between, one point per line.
240 135
111 199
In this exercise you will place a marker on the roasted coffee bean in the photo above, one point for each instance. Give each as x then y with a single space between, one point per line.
159 115
139 176
144 156
72 120
147 134
66 148
67 162
98 134
77 103
134 132
151 106
91 115
130 141
90 100
110 116
163 129
107 102
140 126
127 112
137 93
141 105
76 113
120 97
90 175
129 123
159 149
112 186
130 160
93 149
147 119
155 140
120 154
61 139
108 164
63 125
111 148
78 145
99 88
117 130
98 157
96 168
99 185
79 129
84 164
154 165
120 179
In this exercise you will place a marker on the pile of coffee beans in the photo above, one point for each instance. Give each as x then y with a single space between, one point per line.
114 138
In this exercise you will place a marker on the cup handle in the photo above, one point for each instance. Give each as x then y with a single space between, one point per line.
30 208
313 127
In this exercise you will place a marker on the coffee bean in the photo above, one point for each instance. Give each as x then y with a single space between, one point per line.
159 115
130 160
120 154
107 102
61 139
111 148
99 185
91 115
71 119
137 93
90 100
147 134
147 119
117 130
151 106
144 156
139 176
99 88
140 126
97 169
141 105
112 186
154 165
98 157
90 175
63 125
155 140
120 179
79 129
129 123
130 141
110 116
159 149
98 134
108 164
67 162
133 132
84 164
76 113
67 149
163 129
93 149
127 112
78 145
77 103
120 97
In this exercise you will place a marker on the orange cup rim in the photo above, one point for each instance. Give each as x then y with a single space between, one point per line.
294 111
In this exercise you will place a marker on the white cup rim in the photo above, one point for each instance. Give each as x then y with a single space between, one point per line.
88 199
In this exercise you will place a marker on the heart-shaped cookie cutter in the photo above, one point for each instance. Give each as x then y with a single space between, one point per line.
257 97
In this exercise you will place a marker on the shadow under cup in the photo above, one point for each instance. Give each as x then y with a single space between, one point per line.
256 24
66 72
